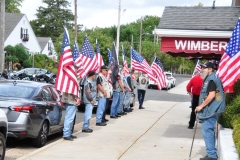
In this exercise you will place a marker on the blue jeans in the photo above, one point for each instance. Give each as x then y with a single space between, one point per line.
87 116
100 109
115 103
127 100
120 106
68 120
104 113
209 136
141 95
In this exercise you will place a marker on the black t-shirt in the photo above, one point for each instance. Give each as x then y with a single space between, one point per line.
211 86
99 80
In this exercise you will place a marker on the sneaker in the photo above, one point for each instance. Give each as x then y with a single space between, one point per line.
72 136
101 124
105 120
87 130
189 127
141 107
208 158
114 117
68 138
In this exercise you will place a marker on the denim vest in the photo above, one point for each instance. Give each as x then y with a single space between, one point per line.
92 91
217 105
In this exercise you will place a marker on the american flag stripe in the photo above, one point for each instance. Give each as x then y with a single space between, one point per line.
229 66
88 58
197 68
125 65
99 58
66 80
158 71
140 64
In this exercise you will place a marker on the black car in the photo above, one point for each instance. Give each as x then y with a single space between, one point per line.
33 110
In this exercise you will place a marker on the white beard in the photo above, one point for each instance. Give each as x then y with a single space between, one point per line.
203 74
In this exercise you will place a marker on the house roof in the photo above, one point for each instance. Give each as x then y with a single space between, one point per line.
199 18
12 19
43 41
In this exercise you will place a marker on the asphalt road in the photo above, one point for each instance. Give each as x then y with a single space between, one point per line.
17 148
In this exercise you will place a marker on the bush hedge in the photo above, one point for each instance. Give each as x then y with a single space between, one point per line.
231 117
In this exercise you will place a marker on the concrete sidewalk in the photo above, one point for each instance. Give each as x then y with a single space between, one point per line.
157 133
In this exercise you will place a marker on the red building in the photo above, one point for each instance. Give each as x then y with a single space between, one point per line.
197 32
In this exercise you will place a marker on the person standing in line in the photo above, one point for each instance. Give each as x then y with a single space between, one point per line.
107 101
104 92
211 105
193 88
126 89
89 99
118 92
70 102
142 86
128 82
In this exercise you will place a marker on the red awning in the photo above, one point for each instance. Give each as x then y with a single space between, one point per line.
200 48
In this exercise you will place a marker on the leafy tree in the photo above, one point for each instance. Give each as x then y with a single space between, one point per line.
22 55
199 5
11 6
50 20
10 55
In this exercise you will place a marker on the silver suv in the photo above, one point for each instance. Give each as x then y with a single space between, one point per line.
3 133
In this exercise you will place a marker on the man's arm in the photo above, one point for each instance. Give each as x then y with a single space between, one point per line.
88 93
129 83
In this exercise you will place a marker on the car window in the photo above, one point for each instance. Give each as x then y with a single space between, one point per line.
31 70
47 94
16 91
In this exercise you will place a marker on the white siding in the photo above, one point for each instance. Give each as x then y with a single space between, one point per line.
14 38
45 49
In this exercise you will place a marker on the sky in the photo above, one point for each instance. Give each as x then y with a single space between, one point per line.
104 13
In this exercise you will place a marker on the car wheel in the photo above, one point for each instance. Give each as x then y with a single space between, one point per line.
2 146
42 136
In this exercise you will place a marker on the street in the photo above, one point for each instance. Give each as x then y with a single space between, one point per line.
17 148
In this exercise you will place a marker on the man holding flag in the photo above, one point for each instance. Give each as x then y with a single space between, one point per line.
67 84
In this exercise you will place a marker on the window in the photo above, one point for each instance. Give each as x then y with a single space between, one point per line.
24 34
47 94
16 91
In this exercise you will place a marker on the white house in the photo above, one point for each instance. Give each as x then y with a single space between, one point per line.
47 47
18 31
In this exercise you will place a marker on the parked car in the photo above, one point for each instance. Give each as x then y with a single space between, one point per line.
171 78
152 84
3 133
33 110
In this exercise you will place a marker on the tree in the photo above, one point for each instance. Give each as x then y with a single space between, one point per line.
10 56
199 5
50 20
11 6
22 56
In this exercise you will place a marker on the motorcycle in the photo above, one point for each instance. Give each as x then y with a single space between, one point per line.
47 77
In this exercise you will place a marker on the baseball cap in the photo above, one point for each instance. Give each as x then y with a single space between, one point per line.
208 65
104 67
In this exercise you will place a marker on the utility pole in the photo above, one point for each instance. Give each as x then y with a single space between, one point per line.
140 40
118 28
132 41
2 30
75 20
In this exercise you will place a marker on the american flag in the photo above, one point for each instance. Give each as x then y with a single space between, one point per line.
125 65
99 58
197 68
76 58
141 65
110 59
158 71
110 65
229 66
88 58
66 80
